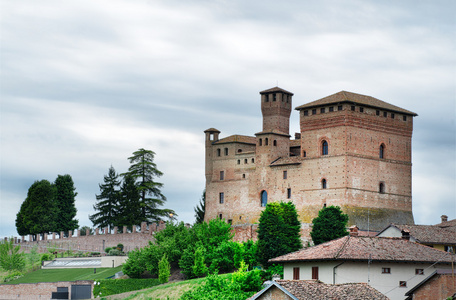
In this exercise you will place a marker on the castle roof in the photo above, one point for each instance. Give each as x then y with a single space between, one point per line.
344 96
428 234
211 130
275 90
244 139
363 248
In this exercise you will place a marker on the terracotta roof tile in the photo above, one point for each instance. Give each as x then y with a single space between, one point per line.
345 96
430 234
275 89
362 248
237 139
450 223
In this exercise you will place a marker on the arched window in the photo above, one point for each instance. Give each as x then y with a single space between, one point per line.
261 142
264 198
381 153
275 143
324 148
253 160
246 161
266 141
239 150
239 161
226 151
323 183
381 188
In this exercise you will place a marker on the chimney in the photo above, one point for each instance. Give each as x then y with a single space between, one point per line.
444 218
354 230
405 234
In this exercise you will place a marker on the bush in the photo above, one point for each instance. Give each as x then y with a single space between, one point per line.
12 276
227 255
199 267
164 269
46 257
106 287
107 249
115 252
249 281
275 269
10 257
120 247
135 265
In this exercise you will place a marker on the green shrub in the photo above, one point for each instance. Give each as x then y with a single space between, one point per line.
199 267
10 257
135 265
12 276
271 271
249 281
106 287
115 252
120 247
227 255
107 249
164 269
46 256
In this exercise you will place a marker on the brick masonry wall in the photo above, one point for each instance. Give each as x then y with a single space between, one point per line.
41 290
439 287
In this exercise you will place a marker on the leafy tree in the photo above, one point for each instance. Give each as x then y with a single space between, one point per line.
200 209
144 170
107 201
199 267
10 257
135 264
129 206
278 231
164 269
65 198
330 224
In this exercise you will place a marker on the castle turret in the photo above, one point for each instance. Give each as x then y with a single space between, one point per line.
212 135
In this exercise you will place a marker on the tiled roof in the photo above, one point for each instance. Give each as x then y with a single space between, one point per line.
275 89
429 234
237 139
345 96
274 131
313 289
212 130
450 223
362 248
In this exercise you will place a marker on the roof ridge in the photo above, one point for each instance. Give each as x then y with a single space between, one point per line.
343 247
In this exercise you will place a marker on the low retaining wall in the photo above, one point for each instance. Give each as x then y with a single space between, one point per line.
41 290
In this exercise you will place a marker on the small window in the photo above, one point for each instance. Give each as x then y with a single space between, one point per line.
274 97
239 161
392 116
386 270
253 160
306 113
295 273
246 161
385 114
381 153
239 150
403 284
404 118
381 188
274 143
219 152
264 198
222 175
314 111
322 110
323 183
361 109
221 198
266 99
230 221
331 109
419 271
220 216
377 112
243 175
315 273
226 151
324 148
353 108
304 153
339 107
266 141
285 174
261 142
288 193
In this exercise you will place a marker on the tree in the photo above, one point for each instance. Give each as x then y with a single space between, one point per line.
65 198
278 231
10 257
330 224
200 209
39 211
163 269
129 206
107 201
144 170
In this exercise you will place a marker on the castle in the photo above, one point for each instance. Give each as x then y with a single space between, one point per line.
353 151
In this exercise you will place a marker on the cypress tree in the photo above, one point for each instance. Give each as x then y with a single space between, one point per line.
65 198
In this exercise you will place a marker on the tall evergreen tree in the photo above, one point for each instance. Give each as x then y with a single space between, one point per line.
129 208
278 231
65 198
200 209
144 170
107 201
330 224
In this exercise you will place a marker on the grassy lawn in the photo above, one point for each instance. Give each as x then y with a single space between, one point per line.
54 275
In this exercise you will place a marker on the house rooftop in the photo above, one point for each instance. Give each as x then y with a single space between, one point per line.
244 139
428 234
313 289
363 248
344 96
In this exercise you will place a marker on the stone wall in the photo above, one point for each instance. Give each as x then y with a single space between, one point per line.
41 290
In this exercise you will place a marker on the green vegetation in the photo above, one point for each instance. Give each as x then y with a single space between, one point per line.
164 269
278 231
330 224
106 287
10 257
200 210
65 197
53 275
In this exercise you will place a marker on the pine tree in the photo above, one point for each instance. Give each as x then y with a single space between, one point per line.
65 198
144 170
330 224
278 231
200 209
107 201
129 206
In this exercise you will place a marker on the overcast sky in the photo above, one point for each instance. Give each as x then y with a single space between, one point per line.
86 83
